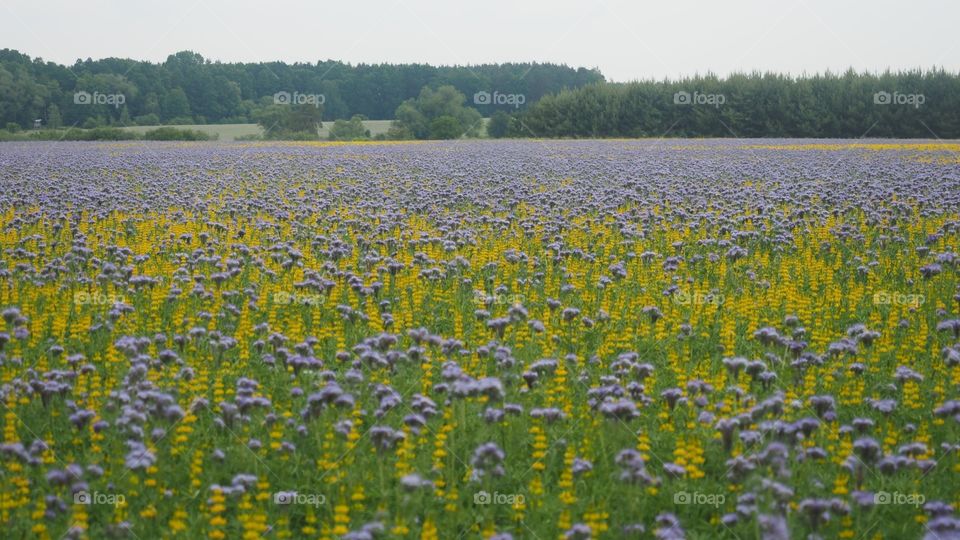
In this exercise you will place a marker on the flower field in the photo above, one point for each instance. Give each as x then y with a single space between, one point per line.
539 339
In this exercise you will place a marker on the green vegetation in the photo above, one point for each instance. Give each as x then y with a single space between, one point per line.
222 132
168 133
189 89
499 125
107 134
909 104
349 130
431 102
291 122
72 134
436 114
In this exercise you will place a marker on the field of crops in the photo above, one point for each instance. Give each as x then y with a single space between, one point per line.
531 340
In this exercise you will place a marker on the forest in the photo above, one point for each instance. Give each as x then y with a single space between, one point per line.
428 102
189 89
908 104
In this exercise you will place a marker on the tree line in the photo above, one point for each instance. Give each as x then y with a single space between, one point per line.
428 102
189 89
907 104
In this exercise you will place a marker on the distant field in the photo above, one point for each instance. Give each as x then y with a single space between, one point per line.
229 132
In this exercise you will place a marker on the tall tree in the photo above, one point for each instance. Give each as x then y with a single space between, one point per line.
54 120
420 116
176 104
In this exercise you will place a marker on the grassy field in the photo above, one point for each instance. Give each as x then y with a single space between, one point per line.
229 132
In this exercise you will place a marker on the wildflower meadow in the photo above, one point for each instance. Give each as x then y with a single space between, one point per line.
480 339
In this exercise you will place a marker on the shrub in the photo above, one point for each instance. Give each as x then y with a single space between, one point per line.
445 127
349 130
499 125
175 134
76 134
106 134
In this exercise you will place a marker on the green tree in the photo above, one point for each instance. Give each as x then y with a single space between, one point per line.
408 120
151 105
54 120
304 118
147 120
420 116
445 127
499 125
290 121
125 117
349 130
398 132
176 104
560 101
272 120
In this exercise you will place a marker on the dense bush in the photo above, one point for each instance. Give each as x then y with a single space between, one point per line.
349 130
290 122
75 134
176 134
436 114
106 134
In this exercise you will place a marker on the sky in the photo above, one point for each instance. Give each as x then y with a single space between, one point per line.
625 39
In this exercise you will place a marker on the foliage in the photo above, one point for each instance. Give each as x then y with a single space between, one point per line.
104 133
398 132
349 130
151 119
499 125
168 133
54 120
294 122
757 105
437 114
194 90
445 127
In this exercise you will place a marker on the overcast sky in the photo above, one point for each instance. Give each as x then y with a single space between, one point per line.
626 39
